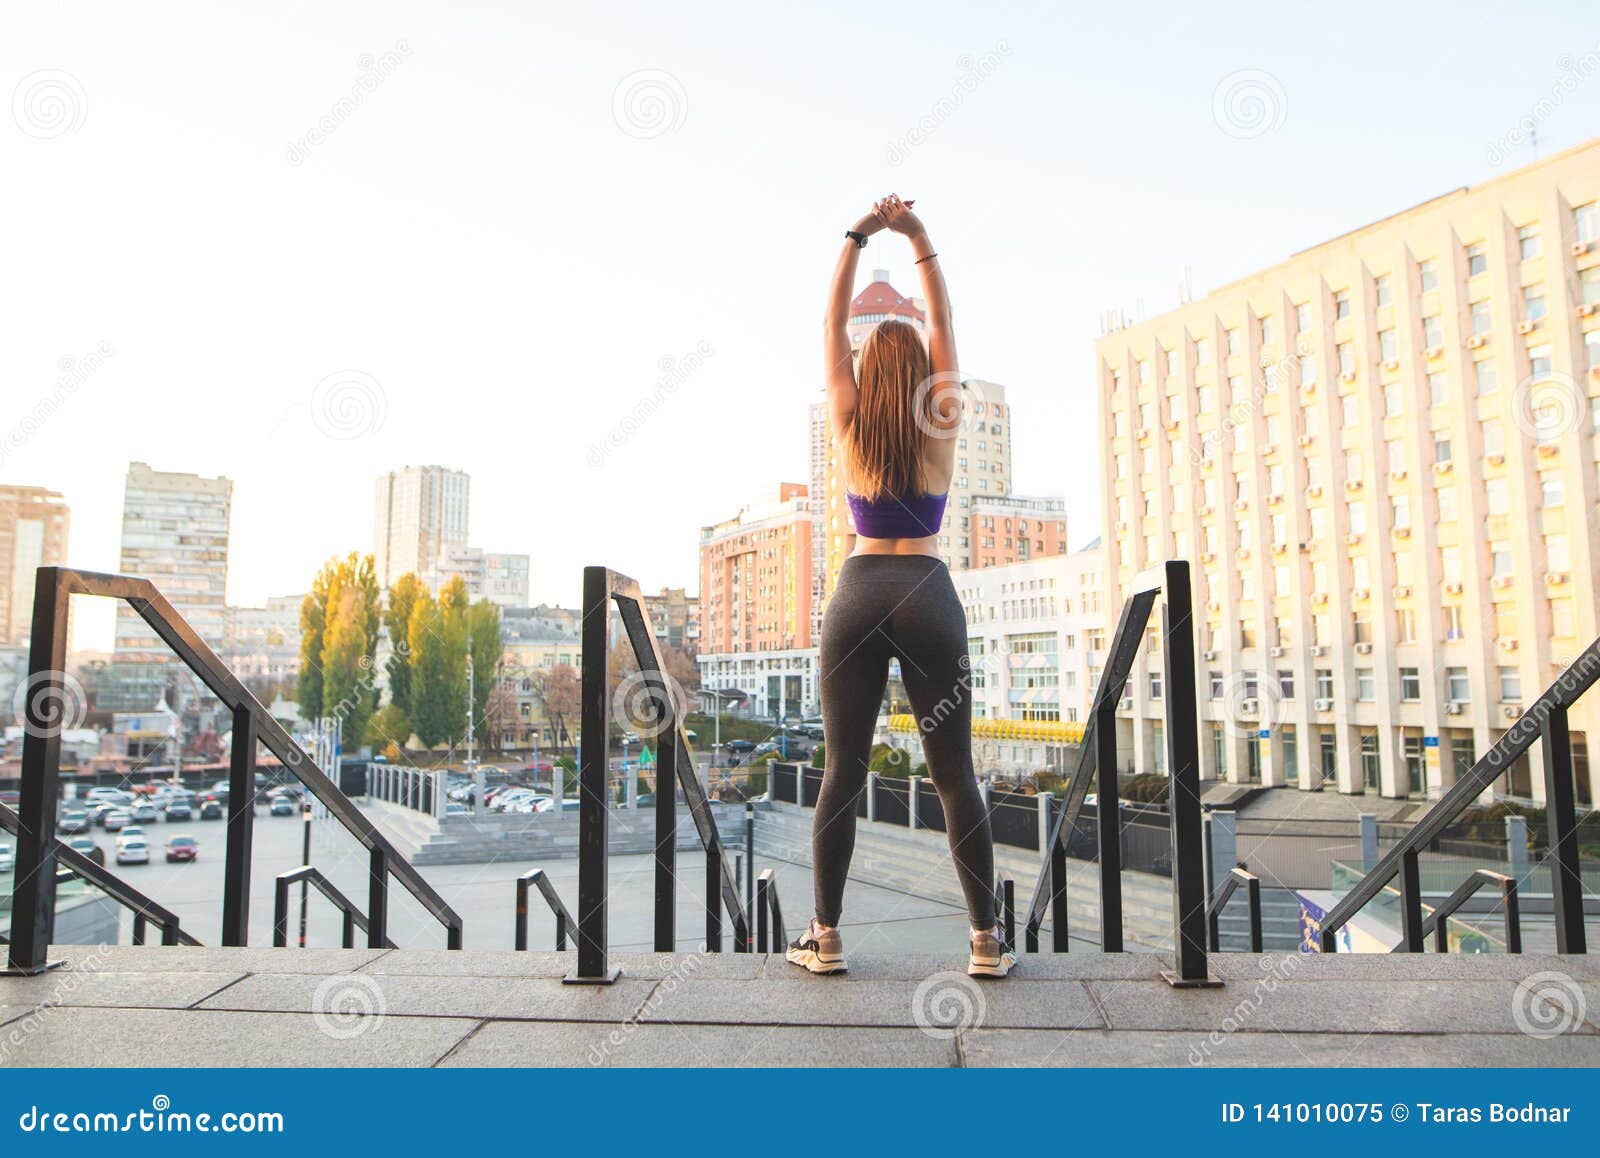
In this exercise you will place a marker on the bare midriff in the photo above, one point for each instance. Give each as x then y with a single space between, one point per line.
927 545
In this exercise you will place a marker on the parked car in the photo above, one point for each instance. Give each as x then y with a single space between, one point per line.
83 844
531 804
73 820
182 848
740 746
115 819
764 746
456 808
179 808
145 813
130 832
107 796
283 806
133 851
8 858
211 810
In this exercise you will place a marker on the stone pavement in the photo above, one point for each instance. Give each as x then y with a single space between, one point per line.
154 1006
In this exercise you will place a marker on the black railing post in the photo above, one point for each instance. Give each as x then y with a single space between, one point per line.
139 926
1561 825
1508 897
1008 909
45 714
520 937
666 821
762 902
1412 938
349 933
1181 730
378 900
593 967
1059 940
241 826
714 897
280 913
1253 896
1108 825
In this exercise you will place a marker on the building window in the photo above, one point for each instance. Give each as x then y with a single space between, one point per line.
1477 260
1410 685
1341 305
1214 679
1324 683
1438 390
1155 685
1586 222
1366 685
1510 685
1302 318
1286 684
1552 490
1233 341
1428 276
1388 345
1382 291
1369 760
1346 354
1456 685
1482 318
1528 246
1393 400
1432 332
1533 307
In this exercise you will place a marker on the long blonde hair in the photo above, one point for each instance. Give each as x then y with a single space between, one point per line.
886 439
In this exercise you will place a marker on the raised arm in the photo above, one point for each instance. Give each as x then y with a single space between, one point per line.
840 370
941 333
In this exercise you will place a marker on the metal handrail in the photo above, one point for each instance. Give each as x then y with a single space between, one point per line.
773 938
1252 885
674 763
354 918
32 897
130 898
1097 758
1005 907
1438 921
536 879
1545 721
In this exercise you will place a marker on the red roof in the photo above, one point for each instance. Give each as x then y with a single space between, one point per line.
882 298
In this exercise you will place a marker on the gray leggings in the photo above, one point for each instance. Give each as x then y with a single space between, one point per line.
905 607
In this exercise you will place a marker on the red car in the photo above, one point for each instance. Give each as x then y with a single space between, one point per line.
182 848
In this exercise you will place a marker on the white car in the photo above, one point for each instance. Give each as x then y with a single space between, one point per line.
507 801
130 832
8 858
530 804
136 851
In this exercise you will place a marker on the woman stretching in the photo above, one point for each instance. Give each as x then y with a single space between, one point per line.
896 419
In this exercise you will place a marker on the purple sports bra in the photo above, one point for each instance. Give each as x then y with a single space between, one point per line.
904 518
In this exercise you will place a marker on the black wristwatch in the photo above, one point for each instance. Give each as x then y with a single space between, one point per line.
859 238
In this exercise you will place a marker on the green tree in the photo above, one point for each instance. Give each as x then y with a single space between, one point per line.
404 593
388 725
437 635
483 633
339 624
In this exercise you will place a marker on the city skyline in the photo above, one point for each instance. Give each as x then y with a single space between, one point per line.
405 295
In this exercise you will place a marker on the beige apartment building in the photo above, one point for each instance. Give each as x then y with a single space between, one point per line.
1381 457
34 523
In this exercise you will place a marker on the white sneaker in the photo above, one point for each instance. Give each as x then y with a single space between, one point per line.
817 952
989 957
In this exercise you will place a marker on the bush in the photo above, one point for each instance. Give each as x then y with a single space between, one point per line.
1146 788
920 770
819 757
890 763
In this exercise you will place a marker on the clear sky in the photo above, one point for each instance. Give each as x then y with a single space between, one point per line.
532 209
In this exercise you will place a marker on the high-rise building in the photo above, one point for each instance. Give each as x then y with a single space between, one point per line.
499 578
175 533
33 534
1381 455
1009 529
262 644
674 618
755 603
420 514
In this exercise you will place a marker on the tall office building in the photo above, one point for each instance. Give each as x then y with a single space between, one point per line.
33 533
419 515
501 579
175 534
1381 455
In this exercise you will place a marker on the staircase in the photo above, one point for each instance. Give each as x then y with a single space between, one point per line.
1280 923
